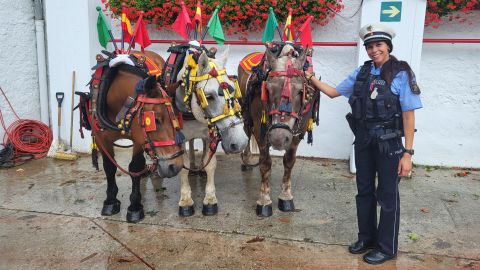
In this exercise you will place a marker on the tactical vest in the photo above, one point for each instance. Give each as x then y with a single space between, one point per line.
376 112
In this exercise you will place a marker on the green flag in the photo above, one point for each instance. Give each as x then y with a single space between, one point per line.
215 27
269 32
102 28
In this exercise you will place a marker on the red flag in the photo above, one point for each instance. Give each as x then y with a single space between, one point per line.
126 26
288 34
141 33
198 17
182 22
306 34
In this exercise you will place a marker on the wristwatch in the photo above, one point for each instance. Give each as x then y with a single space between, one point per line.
409 151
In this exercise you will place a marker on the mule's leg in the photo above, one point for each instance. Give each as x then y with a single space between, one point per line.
135 210
285 200
210 207
191 154
185 204
111 205
264 204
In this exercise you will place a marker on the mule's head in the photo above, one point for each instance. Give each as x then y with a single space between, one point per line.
157 129
213 98
285 87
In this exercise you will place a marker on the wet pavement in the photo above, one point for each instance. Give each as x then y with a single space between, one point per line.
50 219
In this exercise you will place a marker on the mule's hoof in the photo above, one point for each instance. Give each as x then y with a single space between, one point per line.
111 209
286 205
264 210
246 168
186 211
135 216
210 209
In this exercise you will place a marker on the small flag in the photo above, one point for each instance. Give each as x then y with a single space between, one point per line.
288 34
102 28
305 33
269 32
182 22
141 33
215 27
126 26
198 18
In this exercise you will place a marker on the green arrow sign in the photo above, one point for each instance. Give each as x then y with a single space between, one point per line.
391 11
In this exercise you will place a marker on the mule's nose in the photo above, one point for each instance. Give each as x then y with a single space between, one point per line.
234 147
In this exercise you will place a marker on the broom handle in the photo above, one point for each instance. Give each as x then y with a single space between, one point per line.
71 112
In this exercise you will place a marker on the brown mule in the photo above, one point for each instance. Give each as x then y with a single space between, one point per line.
152 127
278 105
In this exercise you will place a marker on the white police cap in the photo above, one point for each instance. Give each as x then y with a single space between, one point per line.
376 32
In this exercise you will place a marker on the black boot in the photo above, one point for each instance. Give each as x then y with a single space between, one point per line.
360 247
377 257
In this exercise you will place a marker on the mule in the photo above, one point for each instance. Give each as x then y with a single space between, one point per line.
205 90
148 121
278 107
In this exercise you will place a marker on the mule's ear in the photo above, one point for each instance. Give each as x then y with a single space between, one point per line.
300 61
202 63
223 59
150 86
270 56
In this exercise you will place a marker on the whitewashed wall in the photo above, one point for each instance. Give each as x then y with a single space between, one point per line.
18 65
448 124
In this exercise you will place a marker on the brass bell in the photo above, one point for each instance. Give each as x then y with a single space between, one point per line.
183 84
122 132
184 76
127 123
120 126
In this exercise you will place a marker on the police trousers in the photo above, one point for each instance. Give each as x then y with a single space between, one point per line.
370 162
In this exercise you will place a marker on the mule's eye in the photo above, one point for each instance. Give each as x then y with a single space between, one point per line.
210 97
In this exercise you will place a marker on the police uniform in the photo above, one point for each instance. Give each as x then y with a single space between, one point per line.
376 120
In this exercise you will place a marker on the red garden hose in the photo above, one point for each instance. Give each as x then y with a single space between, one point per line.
23 140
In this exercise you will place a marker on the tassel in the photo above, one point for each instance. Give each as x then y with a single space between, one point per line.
310 137
264 96
238 92
179 137
180 119
226 109
285 106
310 124
94 148
236 106
263 126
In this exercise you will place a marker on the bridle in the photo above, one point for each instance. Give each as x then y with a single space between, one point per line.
285 108
191 82
147 123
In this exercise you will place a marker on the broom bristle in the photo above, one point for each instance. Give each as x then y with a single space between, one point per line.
65 156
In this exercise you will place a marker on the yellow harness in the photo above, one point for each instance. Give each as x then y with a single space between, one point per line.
190 80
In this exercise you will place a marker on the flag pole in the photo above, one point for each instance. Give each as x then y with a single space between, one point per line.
112 39
123 37
137 25
208 24
279 33
300 31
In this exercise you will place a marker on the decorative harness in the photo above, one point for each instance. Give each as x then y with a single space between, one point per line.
285 105
190 81
133 106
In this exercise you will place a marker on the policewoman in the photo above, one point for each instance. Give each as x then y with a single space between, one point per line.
383 95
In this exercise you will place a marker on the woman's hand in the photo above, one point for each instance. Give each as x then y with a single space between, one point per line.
405 166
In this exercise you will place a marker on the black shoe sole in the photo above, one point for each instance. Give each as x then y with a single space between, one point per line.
379 262
360 251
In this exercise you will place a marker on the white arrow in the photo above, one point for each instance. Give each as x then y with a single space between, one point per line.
393 11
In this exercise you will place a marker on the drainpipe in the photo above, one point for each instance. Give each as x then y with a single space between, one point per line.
41 61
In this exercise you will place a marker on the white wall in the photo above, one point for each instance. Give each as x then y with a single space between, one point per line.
448 124
71 45
18 66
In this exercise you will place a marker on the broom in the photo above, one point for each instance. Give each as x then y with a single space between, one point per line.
67 155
